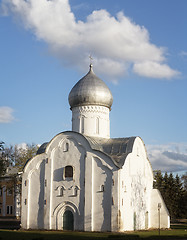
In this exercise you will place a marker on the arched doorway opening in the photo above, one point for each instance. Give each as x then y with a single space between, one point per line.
68 220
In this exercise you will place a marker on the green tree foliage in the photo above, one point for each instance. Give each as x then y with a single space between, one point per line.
24 154
15 156
184 185
158 179
174 193
184 181
2 164
4 159
20 155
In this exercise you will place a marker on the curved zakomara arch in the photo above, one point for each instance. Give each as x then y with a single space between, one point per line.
68 139
144 153
34 169
66 136
59 211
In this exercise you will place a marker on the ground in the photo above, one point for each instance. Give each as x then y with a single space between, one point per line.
177 232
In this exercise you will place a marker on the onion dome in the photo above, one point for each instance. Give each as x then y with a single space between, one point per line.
90 90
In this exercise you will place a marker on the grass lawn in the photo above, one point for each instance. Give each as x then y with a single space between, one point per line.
177 232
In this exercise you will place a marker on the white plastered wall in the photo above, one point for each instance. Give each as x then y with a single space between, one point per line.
101 196
135 185
67 193
159 218
48 194
33 193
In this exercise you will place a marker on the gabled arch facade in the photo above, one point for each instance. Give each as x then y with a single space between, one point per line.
79 194
111 188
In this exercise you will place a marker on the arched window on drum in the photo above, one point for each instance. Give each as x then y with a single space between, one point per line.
97 125
82 124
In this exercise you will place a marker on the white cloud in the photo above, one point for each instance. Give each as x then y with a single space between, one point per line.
154 70
169 157
22 145
117 43
183 53
6 115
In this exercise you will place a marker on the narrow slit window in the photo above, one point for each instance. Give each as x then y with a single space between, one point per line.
68 172
9 210
97 125
61 191
82 124
75 191
102 188
66 147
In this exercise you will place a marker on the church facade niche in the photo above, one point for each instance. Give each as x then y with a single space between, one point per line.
91 182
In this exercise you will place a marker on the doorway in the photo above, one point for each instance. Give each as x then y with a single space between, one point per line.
68 220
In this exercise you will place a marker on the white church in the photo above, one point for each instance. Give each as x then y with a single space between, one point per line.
84 180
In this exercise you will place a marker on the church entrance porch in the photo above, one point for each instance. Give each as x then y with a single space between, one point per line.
66 217
68 220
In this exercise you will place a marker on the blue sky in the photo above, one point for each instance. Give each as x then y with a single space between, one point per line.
139 49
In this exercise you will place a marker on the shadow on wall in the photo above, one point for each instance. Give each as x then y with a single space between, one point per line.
58 175
107 196
40 218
